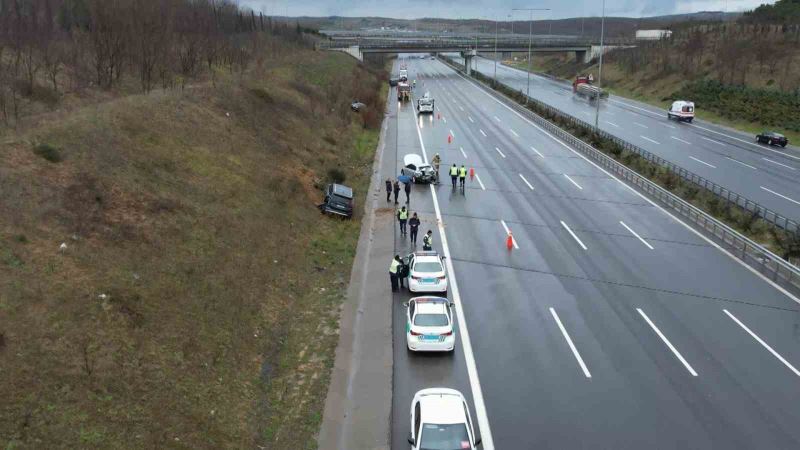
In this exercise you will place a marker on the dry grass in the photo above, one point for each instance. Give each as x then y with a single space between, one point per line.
195 303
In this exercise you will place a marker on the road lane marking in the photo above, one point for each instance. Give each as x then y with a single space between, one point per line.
573 182
501 153
780 195
637 235
681 140
639 194
612 124
702 162
537 152
462 152
648 139
666 341
737 161
508 231
452 134
668 125
574 236
484 134
640 125
466 343
526 181
776 162
477 177
711 140
513 132
497 118
444 119
570 343
459 107
761 341
746 142
470 119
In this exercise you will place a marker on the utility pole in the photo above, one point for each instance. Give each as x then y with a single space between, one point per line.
530 44
600 69
496 22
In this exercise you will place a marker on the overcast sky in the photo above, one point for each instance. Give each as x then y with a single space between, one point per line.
409 9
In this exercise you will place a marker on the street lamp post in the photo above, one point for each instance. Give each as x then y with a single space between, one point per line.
530 44
600 69
496 22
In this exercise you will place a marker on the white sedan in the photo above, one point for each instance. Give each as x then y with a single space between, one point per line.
440 419
429 325
426 272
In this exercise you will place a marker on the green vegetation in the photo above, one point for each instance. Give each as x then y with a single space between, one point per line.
48 152
782 11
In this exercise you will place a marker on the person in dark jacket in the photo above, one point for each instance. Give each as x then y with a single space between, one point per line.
388 190
407 188
396 190
413 224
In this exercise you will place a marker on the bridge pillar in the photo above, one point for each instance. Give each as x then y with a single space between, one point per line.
468 55
583 56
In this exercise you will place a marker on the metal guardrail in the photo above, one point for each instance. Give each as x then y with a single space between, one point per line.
730 197
740 246
486 43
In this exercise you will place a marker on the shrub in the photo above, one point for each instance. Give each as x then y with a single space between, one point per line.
336 175
48 152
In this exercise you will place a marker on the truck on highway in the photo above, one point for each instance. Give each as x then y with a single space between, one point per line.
583 87
681 110
403 91
425 104
403 74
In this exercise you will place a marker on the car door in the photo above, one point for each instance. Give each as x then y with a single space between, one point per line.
416 422
412 305
470 430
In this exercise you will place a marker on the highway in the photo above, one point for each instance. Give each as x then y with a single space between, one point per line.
767 175
610 324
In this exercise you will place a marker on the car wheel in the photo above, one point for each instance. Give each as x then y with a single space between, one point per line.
784 144
689 120
769 142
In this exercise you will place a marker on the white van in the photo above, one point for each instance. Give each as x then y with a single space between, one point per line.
425 104
681 110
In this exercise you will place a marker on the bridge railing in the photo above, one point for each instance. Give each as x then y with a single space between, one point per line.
457 43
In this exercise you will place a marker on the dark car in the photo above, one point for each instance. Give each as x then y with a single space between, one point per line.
772 138
393 81
338 200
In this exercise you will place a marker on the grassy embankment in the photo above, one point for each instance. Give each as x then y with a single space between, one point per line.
197 299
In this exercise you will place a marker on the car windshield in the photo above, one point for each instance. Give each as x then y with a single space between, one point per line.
428 266
430 320
340 199
444 437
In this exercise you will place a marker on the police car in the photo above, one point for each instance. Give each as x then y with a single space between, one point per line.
440 419
429 325
426 272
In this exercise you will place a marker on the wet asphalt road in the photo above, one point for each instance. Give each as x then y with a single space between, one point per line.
612 325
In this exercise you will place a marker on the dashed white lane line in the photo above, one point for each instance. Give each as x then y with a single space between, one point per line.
526 181
666 341
574 236
470 119
537 152
459 107
513 132
570 343
573 182
648 139
444 119
462 152
764 344
497 118
776 162
668 125
452 134
501 153
508 231
780 195
647 244
744 164
477 177
612 124
680 140
711 140
640 125
702 162
484 134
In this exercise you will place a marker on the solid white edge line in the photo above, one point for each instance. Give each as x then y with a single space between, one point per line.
702 162
679 139
637 235
466 344
642 196
526 181
780 164
501 153
477 177
573 182
462 152
780 195
666 341
513 239
651 140
739 162
574 236
570 343
484 134
537 152
760 341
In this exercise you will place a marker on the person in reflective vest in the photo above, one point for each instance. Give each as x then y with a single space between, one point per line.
402 216
462 175
394 272
437 160
454 175
427 241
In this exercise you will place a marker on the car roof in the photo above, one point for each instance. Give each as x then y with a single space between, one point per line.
442 406
431 308
426 258
342 191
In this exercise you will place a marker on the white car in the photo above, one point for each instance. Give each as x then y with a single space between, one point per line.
440 419
425 104
681 110
426 272
429 325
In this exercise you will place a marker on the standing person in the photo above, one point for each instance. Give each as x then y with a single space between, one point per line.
462 175
396 190
437 160
413 223
402 273
388 190
407 188
454 175
402 216
394 272
427 241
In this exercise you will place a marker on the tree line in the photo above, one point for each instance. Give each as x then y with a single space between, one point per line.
57 45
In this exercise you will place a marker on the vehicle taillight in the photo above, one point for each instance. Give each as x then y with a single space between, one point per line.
449 333
414 333
415 278
442 277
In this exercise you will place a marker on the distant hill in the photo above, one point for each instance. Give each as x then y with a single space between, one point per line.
782 12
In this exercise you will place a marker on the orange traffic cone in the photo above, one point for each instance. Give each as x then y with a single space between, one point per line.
449 138
471 173
510 241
